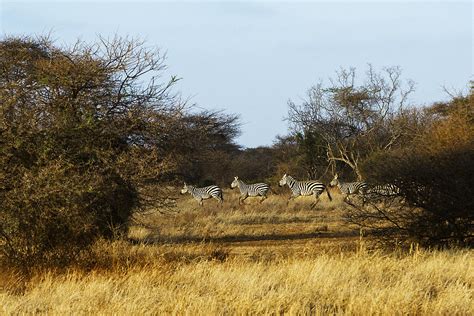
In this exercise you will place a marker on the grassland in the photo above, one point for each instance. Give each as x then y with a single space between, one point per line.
266 258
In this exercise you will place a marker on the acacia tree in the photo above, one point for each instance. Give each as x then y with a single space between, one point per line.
289 158
353 120
254 164
207 147
81 128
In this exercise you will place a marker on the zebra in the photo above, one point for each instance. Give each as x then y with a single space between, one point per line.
304 188
253 190
379 192
212 191
349 188
387 189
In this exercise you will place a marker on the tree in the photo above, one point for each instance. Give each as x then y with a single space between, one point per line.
89 134
254 164
207 146
288 158
354 121
81 129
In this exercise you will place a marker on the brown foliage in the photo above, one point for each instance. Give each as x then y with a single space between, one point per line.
86 134
78 131
434 172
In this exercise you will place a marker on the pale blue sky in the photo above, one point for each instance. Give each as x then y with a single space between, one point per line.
250 57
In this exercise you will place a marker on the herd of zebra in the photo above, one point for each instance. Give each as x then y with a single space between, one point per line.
298 188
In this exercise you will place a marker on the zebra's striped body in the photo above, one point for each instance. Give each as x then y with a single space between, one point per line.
200 194
349 188
384 190
252 190
304 188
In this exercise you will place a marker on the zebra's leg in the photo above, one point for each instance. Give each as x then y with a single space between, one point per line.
200 202
292 197
316 196
346 198
289 199
220 199
243 198
328 194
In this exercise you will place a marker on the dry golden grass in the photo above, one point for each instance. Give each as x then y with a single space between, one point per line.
358 283
255 259
272 219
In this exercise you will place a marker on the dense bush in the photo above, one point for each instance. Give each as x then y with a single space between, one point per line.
79 133
435 174
88 135
207 147
254 164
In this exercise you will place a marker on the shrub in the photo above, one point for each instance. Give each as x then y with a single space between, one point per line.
435 173
78 132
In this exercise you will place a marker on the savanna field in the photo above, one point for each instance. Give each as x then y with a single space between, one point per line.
96 142
266 258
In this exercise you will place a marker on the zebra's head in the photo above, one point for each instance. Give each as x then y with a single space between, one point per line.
283 180
235 183
334 181
185 189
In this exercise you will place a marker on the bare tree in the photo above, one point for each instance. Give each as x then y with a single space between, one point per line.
354 120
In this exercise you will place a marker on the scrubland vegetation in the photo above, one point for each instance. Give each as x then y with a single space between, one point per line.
258 258
95 144
424 283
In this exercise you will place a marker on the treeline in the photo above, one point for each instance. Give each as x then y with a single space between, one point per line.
90 133
365 129
370 133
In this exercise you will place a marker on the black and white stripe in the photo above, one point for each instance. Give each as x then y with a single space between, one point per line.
387 189
349 188
304 188
252 190
200 194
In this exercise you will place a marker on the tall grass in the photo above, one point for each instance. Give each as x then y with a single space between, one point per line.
268 258
357 283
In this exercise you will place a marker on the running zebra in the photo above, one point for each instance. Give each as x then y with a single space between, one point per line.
252 190
349 188
384 190
378 193
304 188
212 191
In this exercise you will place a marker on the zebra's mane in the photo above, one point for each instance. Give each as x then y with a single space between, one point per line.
291 181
